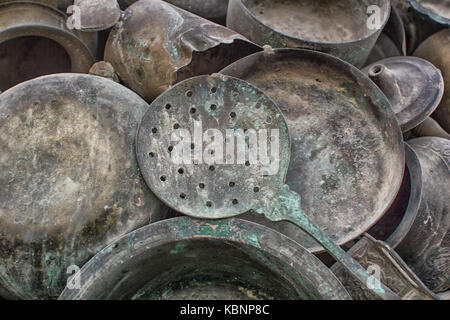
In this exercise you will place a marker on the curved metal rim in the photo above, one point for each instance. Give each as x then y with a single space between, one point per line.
80 63
363 78
250 13
427 12
190 230
415 198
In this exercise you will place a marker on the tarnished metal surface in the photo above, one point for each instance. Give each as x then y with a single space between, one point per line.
436 49
214 10
300 24
438 10
69 181
225 103
393 272
158 45
430 128
418 26
98 15
396 223
184 258
208 189
384 48
347 152
426 246
392 41
420 234
413 86
21 62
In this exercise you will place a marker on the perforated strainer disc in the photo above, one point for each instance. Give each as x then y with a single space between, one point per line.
201 187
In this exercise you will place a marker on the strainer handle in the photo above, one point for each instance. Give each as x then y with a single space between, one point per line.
300 219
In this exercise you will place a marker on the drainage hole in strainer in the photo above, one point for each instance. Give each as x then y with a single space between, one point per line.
154 130
213 90
247 163
256 189
232 184
176 126
163 178
201 186
168 106
235 201
212 168
151 154
189 93
193 110
181 171
233 114
182 196
213 107
170 149
209 204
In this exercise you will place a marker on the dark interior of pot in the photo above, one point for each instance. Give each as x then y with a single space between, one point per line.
29 57
216 58
201 269
304 19
391 220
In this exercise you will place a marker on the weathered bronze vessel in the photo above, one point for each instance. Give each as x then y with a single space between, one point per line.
347 158
183 258
413 86
157 45
347 34
34 41
69 181
436 49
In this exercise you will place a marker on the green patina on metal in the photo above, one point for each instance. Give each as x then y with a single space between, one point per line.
179 247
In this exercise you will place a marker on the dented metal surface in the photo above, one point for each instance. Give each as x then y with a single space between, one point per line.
69 179
346 143
299 24
436 49
30 30
389 268
183 258
157 45
413 86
